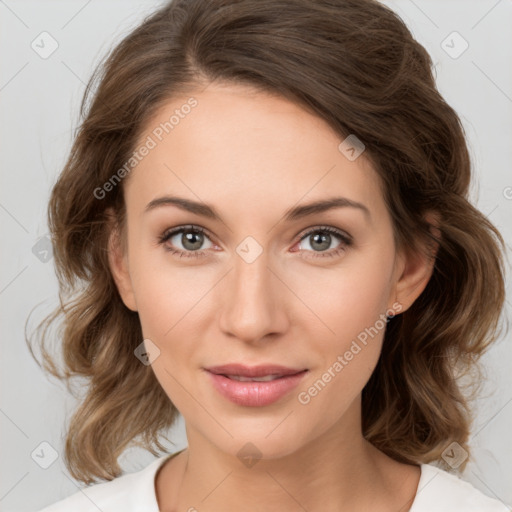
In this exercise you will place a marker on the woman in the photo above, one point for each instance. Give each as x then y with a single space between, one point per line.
265 216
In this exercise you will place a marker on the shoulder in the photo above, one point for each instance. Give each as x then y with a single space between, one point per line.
129 492
444 492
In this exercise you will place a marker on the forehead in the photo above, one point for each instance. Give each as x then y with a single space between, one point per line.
246 150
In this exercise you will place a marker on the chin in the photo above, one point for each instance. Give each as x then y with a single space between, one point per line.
263 439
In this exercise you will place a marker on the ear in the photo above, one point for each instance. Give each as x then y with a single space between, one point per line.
118 262
416 267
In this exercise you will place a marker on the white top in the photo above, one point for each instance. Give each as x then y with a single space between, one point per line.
438 491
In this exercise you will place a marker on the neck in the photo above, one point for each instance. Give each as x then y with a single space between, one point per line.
339 470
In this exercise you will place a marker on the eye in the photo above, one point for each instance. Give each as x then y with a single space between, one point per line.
190 237
321 237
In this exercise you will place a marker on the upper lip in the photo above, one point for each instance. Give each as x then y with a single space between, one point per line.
253 371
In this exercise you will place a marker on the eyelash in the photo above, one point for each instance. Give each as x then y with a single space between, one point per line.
345 239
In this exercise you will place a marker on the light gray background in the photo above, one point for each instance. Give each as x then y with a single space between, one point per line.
39 101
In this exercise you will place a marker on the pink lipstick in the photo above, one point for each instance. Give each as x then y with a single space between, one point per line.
254 386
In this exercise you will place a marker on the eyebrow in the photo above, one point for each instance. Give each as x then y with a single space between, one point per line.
294 213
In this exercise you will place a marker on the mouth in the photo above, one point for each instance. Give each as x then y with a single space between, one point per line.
254 386
242 372
265 378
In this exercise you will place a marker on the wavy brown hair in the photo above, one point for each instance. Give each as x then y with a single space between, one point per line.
352 63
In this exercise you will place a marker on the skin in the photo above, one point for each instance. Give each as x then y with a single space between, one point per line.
252 156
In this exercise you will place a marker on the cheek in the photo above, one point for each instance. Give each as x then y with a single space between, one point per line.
167 302
168 294
345 301
351 308
346 358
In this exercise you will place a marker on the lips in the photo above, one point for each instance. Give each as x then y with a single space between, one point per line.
255 386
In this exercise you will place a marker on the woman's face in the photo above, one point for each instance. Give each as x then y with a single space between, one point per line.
268 281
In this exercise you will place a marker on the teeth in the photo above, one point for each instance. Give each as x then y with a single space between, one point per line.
266 378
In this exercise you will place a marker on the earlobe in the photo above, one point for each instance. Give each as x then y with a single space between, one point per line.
417 268
118 262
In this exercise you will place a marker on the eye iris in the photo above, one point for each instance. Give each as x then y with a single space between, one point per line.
189 237
323 239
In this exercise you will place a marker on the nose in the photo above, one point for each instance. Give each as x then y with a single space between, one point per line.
253 303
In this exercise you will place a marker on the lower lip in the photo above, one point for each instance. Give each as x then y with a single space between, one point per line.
255 394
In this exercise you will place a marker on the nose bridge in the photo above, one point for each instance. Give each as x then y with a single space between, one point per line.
251 307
